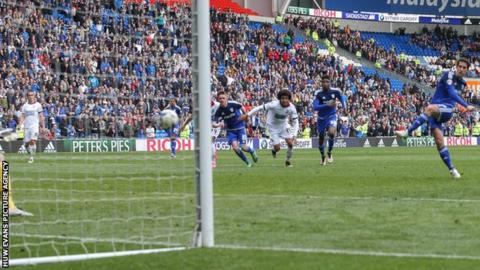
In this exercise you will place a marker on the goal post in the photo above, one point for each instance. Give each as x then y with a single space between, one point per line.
86 207
202 120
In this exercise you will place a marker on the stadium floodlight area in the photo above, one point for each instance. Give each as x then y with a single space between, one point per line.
103 204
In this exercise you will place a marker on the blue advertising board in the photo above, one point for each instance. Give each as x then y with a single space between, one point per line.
429 7
440 20
360 16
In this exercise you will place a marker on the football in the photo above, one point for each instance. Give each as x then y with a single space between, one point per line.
168 118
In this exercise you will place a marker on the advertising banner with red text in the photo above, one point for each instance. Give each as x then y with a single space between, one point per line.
163 145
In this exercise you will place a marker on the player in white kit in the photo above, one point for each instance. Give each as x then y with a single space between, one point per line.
278 112
214 133
33 122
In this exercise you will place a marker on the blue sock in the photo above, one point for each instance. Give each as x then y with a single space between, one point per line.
322 150
173 147
445 155
418 122
241 155
331 142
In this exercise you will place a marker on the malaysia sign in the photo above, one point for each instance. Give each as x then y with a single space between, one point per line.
440 20
428 7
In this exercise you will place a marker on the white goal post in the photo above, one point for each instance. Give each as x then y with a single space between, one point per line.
202 120
203 232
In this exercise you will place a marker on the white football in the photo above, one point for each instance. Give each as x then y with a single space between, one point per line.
168 118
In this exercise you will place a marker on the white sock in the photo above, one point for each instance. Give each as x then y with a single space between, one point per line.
214 151
33 149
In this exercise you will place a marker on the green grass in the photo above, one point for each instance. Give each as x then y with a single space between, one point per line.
222 259
391 201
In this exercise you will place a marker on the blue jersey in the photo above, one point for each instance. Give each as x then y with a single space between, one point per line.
446 92
324 100
230 116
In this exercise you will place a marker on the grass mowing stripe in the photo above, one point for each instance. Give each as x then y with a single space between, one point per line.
356 252
446 200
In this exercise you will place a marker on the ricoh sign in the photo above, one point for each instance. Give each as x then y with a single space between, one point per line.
429 7
324 13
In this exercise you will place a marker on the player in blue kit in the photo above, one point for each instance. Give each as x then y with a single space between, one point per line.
229 112
175 129
441 110
325 104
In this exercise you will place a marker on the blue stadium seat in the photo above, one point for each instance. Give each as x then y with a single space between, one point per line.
279 29
400 43
255 25
396 85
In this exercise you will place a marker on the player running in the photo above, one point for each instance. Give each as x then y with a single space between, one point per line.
325 104
278 113
441 110
229 112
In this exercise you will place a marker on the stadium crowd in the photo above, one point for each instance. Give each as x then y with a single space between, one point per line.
452 46
108 69
97 69
440 39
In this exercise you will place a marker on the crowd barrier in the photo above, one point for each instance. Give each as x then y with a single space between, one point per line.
163 145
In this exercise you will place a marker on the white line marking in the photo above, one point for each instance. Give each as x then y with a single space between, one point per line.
240 196
90 256
367 198
357 252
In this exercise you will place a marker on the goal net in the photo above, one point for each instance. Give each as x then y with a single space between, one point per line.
104 178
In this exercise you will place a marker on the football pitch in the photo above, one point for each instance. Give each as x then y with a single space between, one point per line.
373 208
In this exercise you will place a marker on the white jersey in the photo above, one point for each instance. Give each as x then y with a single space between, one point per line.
277 120
215 131
277 116
31 114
